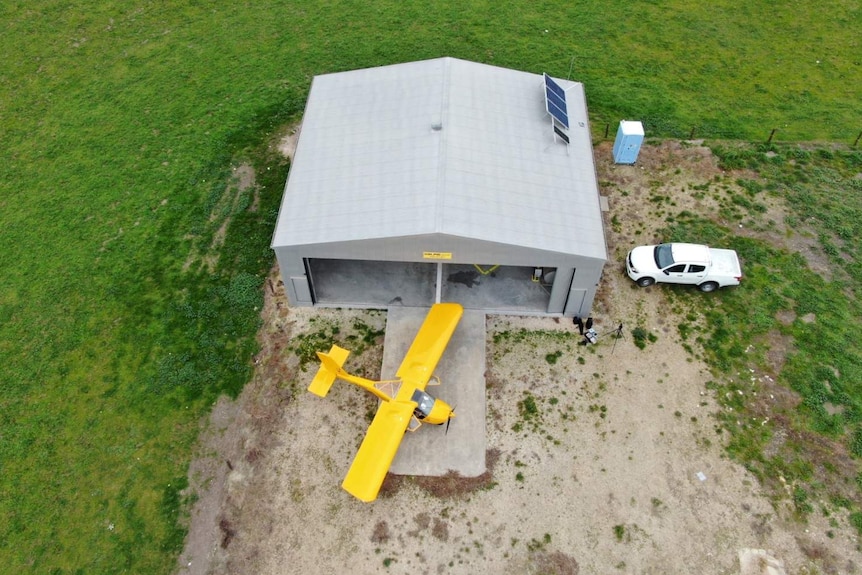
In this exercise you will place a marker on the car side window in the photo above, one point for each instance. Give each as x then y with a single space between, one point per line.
695 269
678 268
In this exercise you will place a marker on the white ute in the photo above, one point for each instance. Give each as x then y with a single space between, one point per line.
690 264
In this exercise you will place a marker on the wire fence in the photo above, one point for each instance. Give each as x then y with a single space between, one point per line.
662 127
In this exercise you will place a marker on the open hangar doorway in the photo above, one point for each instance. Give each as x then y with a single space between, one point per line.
369 283
507 289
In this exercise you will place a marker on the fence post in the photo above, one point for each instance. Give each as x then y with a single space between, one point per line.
608 127
772 133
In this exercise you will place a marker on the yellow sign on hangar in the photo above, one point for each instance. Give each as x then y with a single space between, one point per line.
437 255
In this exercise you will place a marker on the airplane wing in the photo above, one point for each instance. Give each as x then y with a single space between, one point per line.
375 455
430 343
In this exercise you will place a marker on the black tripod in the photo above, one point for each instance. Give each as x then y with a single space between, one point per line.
618 334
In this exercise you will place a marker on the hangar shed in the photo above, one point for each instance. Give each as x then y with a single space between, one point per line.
442 180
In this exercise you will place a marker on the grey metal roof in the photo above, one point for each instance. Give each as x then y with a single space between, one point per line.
441 146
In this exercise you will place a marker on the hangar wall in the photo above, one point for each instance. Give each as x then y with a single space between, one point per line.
572 292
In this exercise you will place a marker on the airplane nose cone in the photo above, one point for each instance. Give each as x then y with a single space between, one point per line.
440 413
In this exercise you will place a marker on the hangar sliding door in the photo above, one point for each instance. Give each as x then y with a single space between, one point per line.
367 283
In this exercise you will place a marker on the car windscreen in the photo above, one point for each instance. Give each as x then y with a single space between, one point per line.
663 256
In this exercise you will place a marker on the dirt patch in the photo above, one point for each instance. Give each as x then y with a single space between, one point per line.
452 485
605 460
232 200
288 140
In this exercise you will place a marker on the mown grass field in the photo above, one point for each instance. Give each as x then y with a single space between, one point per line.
119 127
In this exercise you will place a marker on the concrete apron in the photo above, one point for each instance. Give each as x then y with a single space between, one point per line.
430 450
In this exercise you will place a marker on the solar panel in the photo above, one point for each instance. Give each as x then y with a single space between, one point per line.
557 108
555 101
563 136
554 87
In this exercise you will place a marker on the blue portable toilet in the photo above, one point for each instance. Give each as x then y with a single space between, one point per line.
630 136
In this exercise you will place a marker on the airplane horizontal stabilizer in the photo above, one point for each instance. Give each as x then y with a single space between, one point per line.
330 366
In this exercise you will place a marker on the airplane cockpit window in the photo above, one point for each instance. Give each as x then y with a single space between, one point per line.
424 403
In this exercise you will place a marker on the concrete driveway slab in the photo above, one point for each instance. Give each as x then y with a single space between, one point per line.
430 450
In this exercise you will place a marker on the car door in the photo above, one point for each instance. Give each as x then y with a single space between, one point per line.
696 273
675 274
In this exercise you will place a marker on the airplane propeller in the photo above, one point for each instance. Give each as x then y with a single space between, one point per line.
449 420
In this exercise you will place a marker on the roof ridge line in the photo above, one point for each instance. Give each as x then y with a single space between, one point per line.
440 128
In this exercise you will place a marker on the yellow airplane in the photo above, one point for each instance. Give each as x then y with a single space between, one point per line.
404 404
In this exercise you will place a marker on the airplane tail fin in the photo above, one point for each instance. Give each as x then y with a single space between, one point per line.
330 369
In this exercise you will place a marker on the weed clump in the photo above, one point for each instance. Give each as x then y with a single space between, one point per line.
639 335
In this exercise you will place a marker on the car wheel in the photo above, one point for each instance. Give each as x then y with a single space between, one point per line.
646 282
708 287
